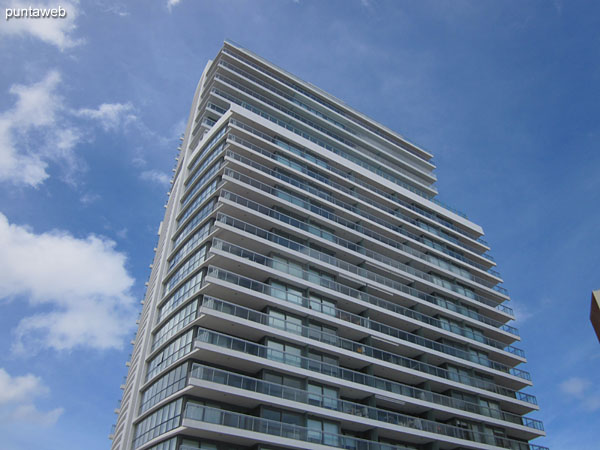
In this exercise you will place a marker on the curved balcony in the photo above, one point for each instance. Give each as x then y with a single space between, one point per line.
366 273
235 279
353 225
274 215
347 375
388 357
235 380
347 344
375 130
420 191
378 206
261 233
349 177
237 421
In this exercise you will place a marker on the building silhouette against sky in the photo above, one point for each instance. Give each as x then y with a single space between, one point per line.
309 292
595 312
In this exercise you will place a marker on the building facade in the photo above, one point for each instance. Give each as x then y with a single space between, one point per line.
309 292
595 312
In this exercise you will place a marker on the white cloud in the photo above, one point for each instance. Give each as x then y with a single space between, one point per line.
171 3
575 386
89 198
30 415
40 129
30 134
119 10
122 233
54 31
110 115
82 285
20 388
156 176
521 311
584 391
16 400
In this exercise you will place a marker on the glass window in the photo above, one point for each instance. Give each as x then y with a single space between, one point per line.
279 290
284 380
331 431
478 356
166 385
294 295
271 414
322 431
186 290
190 265
286 292
492 407
320 304
321 231
175 324
475 334
286 353
157 423
322 333
323 396
277 319
286 265
459 374
171 353
284 416
314 430
171 444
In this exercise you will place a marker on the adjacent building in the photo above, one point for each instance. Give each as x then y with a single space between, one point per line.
595 312
309 291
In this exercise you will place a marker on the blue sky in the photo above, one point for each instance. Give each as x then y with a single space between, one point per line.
506 95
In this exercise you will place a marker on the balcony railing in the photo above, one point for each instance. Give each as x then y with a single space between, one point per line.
335 185
295 246
360 229
366 231
351 178
239 421
423 275
306 302
322 102
439 301
347 375
393 285
366 165
347 344
234 380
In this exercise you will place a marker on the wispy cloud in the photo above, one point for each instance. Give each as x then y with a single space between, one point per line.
156 177
17 395
522 312
36 109
80 285
171 3
54 31
122 233
575 386
89 198
41 128
110 115
584 391
119 10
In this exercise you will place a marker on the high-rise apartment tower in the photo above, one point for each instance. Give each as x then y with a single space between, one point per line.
309 292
